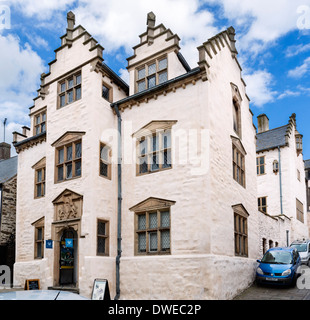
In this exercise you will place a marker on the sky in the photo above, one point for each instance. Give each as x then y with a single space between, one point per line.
273 41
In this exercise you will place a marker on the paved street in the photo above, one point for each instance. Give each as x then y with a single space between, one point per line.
273 293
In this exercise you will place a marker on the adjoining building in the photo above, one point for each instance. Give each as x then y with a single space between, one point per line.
153 184
280 181
8 178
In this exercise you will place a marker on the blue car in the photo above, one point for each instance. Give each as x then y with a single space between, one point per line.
279 266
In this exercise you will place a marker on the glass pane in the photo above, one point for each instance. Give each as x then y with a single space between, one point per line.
70 96
153 220
262 160
262 169
165 219
38 130
152 69
165 240
78 93
141 222
39 234
69 153
153 241
43 187
63 87
38 119
78 150
143 167
142 242
69 170
143 147
155 143
141 86
43 127
151 82
101 228
39 250
70 83
166 136
162 64
62 100
104 153
78 168
60 155
78 79
167 159
264 201
101 245
39 176
141 74
39 190
60 173
155 161
103 169
43 116
105 92
162 77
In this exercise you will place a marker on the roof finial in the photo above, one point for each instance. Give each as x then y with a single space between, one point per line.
71 19
151 18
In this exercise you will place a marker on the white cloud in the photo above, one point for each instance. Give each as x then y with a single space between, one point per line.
124 74
289 93
20 76
301 70
293 51
258 87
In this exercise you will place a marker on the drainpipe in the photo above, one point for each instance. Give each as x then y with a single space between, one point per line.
280 178
119 204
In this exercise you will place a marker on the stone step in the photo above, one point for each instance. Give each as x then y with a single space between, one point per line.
65 288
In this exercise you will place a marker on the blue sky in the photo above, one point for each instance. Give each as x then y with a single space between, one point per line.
273 40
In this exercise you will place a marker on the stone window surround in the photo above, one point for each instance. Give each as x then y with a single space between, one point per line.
103 236
146 76
39 166
38 225
147 207
260 165
39 126
75 86
238 161
261 207
106 162
240 230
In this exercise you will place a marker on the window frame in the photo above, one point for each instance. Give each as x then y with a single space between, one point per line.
240 235
38 225
40 183
299 211
238 162
260 204
67 89
159 229
108 162
158 152
37 126
146 77
110 92
104 236
67 162
260 165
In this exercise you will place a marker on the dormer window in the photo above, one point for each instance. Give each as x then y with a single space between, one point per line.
151 74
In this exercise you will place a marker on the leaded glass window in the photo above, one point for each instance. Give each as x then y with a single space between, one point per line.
69 161
70 90
102 237
153 232
154 152
105 161
152 74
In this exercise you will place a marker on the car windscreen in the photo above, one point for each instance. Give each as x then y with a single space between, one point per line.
277 257
301 247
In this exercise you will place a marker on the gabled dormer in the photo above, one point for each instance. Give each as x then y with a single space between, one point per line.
156 58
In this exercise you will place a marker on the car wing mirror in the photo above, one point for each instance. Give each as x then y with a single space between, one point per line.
258 261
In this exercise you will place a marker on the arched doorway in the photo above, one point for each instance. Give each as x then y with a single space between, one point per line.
68 257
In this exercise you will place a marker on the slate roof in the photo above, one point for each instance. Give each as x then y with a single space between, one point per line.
8 169
271 139
307 164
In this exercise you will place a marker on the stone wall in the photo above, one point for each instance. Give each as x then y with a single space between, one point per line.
8 215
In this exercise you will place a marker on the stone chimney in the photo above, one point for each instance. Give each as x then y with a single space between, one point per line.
262 123
5 151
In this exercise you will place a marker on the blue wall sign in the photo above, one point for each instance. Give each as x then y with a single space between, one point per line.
49 244
69 243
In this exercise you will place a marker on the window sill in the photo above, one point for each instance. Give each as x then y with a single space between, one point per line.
150 172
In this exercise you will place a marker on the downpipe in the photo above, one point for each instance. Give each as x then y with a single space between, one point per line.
119 204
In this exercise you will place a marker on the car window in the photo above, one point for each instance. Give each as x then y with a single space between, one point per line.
277 257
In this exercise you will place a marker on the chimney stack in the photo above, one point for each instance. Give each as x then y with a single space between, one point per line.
263 123
5 151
